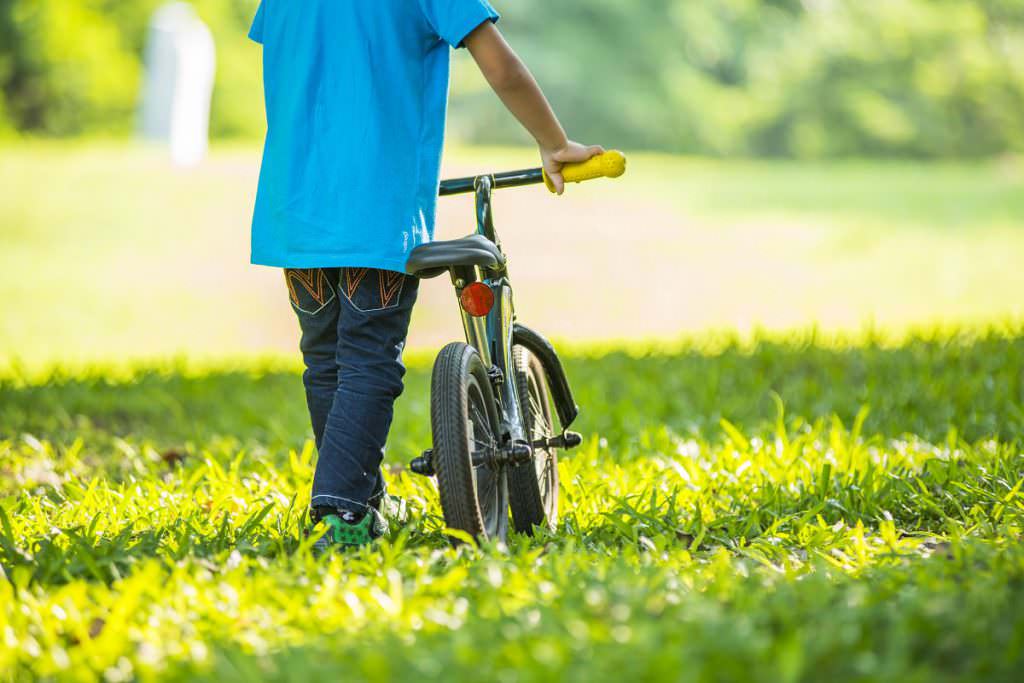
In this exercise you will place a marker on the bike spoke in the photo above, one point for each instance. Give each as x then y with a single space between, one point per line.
481 446
535 407
546 472
487 498
480 421
487 495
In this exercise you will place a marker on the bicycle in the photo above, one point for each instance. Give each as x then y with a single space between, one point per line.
494 444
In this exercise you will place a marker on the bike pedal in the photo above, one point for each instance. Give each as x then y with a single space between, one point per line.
571 440
564 441
424 464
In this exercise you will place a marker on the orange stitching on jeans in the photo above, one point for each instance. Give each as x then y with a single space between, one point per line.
353 277
313 280
389 288
292 294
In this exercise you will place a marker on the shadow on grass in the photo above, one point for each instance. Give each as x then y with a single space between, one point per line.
925 386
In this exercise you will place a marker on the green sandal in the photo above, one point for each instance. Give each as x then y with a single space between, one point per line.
340 534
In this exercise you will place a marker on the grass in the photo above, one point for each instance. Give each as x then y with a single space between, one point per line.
840 503
111 253
774 508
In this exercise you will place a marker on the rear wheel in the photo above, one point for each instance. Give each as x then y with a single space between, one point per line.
533 486
473 490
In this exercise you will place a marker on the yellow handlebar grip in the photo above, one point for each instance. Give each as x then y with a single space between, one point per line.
608 165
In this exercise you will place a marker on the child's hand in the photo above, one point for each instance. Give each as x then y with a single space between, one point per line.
572 152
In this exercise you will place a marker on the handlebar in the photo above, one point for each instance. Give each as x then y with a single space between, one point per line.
608 165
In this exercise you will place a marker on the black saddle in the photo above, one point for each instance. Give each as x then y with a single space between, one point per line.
433 259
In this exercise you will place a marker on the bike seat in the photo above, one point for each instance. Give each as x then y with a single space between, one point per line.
433 259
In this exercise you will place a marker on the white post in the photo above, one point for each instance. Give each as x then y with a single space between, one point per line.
180 64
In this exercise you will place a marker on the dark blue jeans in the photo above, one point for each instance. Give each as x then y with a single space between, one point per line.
354 324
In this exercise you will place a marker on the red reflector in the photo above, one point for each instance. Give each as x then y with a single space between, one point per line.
477 299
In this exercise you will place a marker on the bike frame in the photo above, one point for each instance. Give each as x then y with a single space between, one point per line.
491 336
494 335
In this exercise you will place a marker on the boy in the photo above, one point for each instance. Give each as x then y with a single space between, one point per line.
356 97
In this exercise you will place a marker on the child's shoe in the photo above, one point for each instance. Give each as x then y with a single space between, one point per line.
349 530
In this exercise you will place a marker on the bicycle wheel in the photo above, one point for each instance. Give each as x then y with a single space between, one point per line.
464 417
533 488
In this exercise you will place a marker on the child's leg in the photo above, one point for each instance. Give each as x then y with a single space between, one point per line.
314 297
373 321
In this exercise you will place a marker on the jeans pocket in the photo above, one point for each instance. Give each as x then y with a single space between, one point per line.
370 289
310 289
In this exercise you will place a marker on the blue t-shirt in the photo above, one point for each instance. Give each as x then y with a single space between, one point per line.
356 97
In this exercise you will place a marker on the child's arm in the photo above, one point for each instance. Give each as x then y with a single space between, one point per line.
519 91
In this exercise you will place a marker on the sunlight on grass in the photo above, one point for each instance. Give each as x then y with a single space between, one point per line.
109 252
770 508
759 499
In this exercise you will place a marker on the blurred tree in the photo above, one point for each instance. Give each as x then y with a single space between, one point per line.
74 66
64 68
808 78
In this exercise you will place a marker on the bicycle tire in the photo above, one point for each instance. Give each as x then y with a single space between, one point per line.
474 499
533 486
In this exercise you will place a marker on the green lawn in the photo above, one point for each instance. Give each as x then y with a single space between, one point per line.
782 509
843 502
110 253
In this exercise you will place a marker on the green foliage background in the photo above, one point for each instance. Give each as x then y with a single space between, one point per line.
807 78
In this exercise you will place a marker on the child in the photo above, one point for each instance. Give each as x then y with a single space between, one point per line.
356 98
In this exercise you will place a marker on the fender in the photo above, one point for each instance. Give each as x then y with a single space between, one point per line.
561 393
